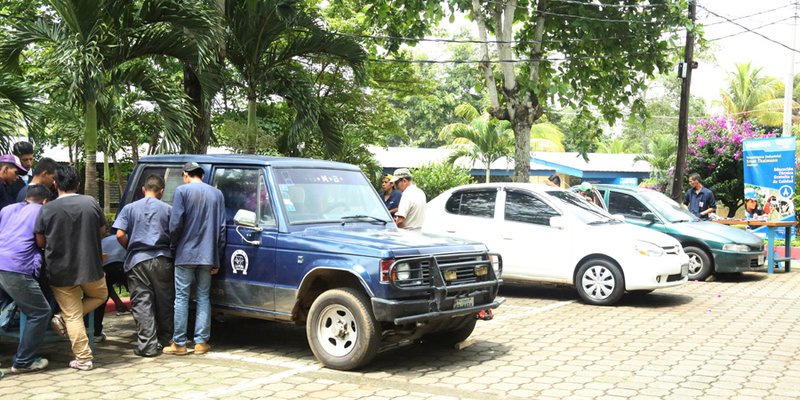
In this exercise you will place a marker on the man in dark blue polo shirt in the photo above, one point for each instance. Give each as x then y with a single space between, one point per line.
197 232
10 170
699 199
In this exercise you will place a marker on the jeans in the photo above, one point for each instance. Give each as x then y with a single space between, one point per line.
185 276
152 299
75 302
27 293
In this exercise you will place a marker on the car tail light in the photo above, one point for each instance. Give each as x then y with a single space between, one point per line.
386 264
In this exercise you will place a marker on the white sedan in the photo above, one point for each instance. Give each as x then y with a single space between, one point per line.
546 234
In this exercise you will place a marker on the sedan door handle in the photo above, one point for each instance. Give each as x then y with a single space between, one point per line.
453 231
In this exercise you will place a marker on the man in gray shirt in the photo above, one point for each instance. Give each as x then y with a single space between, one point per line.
143 228
197 232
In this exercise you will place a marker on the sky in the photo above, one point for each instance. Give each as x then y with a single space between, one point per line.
709 77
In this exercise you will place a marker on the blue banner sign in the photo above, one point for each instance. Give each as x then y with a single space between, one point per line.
769 180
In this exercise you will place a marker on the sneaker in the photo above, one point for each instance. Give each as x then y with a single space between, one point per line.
80 365
37 365
58 324
175 350
100 339
202 348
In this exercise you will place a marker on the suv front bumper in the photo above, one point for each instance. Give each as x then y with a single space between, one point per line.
411 311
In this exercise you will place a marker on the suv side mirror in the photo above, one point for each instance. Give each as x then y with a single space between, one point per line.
245 218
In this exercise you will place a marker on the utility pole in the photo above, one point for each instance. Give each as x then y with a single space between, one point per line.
685 73
788 87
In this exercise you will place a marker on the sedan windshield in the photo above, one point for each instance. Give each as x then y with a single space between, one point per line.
311 196
668 208
580 208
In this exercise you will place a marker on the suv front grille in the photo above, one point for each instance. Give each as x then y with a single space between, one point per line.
452 270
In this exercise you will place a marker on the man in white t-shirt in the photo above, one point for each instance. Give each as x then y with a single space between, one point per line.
411 210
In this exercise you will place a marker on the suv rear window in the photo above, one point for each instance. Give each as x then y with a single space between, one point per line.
173 177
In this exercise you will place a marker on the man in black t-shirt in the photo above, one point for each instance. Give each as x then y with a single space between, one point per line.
69 229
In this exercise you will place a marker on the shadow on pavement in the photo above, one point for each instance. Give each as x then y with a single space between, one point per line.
423 358
742 277
655 299
539 291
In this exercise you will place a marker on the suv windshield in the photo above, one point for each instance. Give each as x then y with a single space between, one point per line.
312 195
580 208
668 208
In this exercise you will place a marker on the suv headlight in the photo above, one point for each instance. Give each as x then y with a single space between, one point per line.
403 271
735 247
648 249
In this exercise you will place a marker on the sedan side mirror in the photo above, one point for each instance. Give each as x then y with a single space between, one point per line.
558 222
649 217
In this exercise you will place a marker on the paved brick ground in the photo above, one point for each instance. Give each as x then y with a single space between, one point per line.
735 337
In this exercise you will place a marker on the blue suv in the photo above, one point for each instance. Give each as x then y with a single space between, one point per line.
311 242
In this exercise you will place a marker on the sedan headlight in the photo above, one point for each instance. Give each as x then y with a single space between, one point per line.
648 249
735 247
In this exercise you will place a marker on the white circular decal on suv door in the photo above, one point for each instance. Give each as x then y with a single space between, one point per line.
239 262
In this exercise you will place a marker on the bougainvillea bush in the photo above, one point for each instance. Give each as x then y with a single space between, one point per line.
715 152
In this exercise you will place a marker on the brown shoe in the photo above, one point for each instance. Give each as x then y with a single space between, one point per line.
202 348
175 350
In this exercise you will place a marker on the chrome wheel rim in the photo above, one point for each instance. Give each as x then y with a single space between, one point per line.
598 282
695 264
337 330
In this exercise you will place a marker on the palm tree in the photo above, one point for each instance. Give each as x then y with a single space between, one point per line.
99 43
750 95
661 155
618 146
483 138
270 43
15 107
547 137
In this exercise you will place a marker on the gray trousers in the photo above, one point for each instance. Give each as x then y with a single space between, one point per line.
152 286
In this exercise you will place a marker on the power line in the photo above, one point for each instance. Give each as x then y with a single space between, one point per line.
746 16
475 41
750 30
603 5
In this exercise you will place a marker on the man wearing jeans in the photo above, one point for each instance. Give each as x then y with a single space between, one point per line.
69 229
20 265
197 232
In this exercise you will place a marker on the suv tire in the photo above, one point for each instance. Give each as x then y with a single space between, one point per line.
341 329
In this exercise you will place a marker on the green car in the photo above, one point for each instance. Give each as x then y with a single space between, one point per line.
711 247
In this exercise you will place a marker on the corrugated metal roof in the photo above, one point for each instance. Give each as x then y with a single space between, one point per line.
413 157
598 162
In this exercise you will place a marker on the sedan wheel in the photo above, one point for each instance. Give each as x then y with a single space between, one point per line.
600 282
699 263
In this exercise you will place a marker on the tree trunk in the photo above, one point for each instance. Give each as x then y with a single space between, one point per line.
201 121
90 148
252 127
118 173
106 183
488 73
134 149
